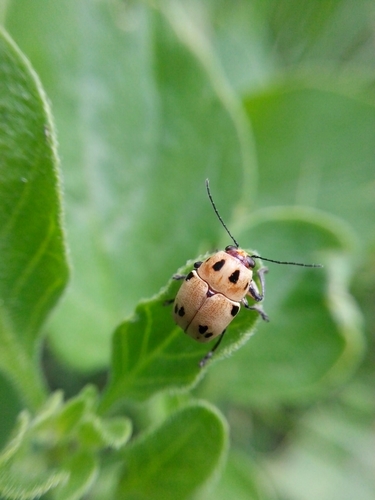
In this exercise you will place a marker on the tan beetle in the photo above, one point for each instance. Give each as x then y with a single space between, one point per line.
213 292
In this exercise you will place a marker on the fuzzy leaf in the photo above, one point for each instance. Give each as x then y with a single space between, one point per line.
334 443
33 268
53 448
23 480
112 432
82 468
176 458
322 151
25 474
242 479
17 437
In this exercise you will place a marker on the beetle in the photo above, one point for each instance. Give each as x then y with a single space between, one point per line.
213 292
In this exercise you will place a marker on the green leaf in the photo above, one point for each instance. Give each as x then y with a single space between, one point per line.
334 443
26 481
327 34
71 415
49 411
59 446
76 421
116 431
33 263
260 40
150 353
17 437
10 409
177 458
315 149
75 411
33 268
242 479
111 432
24 470
82 467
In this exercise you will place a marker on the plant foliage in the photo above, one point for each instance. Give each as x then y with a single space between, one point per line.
273 102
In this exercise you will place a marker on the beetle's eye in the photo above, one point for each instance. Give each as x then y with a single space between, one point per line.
230 247
250 262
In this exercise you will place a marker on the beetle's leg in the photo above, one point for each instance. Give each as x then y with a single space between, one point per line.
257 294
258 309
168 302
253 288
183 276
179 276
209 355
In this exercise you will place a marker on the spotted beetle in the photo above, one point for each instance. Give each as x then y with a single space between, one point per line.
213 292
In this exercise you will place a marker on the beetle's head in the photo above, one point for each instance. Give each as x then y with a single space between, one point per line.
241 255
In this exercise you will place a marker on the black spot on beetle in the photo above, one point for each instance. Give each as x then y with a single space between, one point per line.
233 278
181 311
208 335
246 286
234 310
218 265
202 328
189 276
176 308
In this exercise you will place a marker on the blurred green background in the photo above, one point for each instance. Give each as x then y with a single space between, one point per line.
273 101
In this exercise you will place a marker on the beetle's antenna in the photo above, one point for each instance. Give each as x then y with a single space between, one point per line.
217 213
286 263
236 243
